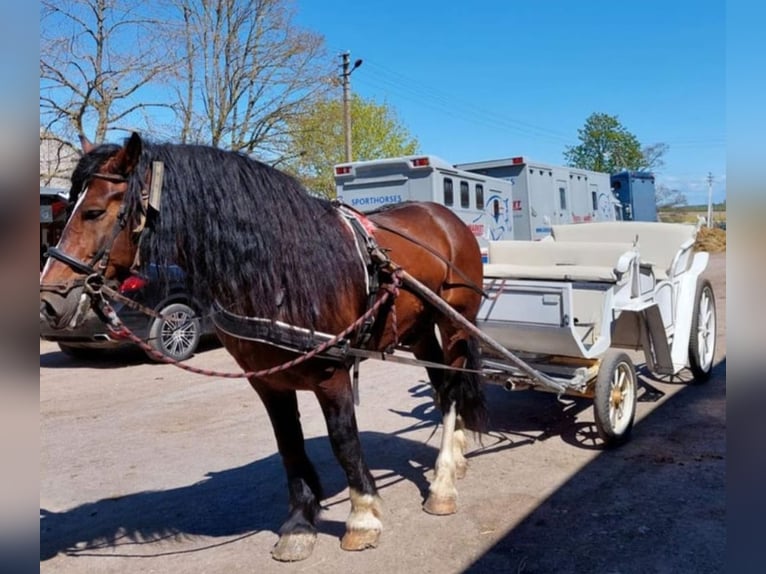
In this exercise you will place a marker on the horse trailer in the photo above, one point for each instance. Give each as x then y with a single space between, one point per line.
484 203
635 190
545 195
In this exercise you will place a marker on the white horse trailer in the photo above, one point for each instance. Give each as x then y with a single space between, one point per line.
484 203
546 195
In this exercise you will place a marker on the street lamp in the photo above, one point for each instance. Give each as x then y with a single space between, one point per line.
347 69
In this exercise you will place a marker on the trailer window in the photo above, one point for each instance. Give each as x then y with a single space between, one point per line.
563 197
449 196
479 196
465 195
594 200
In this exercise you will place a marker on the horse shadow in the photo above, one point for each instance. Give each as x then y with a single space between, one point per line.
238 502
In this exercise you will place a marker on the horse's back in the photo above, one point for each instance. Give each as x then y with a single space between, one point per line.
431 242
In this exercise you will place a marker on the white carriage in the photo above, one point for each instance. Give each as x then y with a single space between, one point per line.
566 308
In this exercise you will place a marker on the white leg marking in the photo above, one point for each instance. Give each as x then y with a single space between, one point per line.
365 512
443 485
458 448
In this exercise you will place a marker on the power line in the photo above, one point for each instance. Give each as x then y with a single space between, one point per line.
425 96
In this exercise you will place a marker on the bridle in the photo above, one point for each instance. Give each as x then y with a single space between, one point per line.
95 268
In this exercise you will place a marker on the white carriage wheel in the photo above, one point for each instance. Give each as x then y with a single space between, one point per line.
703 331
615 398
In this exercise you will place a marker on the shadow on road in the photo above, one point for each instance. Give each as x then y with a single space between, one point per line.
112 358
656 504
237 502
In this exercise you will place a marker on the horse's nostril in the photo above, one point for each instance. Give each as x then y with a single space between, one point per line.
47 313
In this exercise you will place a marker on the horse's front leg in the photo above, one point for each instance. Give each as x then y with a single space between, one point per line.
363 526
297 535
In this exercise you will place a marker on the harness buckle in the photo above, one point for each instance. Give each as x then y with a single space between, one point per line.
93 284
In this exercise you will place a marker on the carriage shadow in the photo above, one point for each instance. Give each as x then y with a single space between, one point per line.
621 499
234 503
518 418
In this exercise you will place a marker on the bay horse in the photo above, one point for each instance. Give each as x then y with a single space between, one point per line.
257 244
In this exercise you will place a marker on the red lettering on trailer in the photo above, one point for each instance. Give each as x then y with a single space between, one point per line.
517 205
476 228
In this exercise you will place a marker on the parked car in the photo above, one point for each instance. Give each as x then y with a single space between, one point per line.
176 335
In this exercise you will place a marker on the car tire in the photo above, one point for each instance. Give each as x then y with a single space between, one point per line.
175 335
83 353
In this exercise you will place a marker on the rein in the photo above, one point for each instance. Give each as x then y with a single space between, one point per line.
120 330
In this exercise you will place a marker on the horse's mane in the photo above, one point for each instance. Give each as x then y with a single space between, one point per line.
88 165
247 234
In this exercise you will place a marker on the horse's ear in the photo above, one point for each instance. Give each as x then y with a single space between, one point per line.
127 158
87 147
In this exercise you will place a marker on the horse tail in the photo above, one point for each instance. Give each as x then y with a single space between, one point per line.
472 405
464 388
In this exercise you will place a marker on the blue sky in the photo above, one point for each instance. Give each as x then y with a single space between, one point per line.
487 80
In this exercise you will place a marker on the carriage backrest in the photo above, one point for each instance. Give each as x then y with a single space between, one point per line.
657 242
580 261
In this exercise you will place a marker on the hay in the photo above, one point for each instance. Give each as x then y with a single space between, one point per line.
711 239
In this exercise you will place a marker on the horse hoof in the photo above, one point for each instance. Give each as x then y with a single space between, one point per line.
360 539
440 506
294 547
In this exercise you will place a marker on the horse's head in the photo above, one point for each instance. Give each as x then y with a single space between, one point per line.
98 241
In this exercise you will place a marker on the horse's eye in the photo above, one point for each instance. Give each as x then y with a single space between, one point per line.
92 214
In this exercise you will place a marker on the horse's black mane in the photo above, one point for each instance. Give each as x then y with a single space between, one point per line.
247 234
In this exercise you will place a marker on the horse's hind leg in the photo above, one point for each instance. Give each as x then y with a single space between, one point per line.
429 349
363 526
297 535
457 395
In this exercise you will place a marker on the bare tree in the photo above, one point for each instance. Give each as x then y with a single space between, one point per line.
248 71
97 59
654 157
57 159
666 197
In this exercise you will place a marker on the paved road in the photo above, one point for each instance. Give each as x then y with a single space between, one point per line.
145 468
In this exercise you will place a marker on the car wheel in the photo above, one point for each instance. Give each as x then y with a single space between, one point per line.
177 334
75 352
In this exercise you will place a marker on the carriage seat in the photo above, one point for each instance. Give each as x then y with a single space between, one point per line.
551 260
665 246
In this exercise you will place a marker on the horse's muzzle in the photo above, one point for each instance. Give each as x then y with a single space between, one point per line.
64 311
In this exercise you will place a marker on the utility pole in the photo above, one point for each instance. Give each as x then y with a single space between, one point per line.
709 199
347 69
